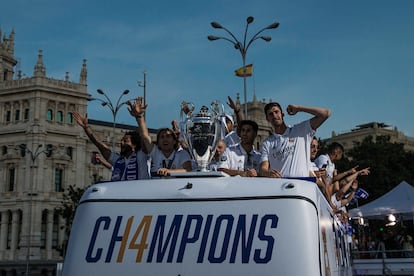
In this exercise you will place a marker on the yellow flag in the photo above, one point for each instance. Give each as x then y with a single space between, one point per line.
245 71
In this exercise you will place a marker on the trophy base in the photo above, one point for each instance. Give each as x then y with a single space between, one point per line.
198 174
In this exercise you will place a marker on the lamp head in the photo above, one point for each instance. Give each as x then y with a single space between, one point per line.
266 38
273 25
250 19
212 37
216 25
126 91
100 91
104 103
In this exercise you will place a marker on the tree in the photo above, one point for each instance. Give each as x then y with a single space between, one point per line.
70 202
389 162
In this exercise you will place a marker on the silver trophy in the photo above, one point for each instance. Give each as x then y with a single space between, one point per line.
201 131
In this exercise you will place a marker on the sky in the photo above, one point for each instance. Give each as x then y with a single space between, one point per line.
354 57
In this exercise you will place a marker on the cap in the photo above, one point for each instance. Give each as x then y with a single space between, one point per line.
229 117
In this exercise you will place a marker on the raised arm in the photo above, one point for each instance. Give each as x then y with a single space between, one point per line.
320 113
137 110
237 111
83 122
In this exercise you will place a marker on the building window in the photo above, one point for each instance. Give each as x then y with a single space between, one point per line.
69 118
8 116
9 229
26 114
49 115
59 116
4 150
43 230
55 232
58 180
69 152
17 115
19 230
12 175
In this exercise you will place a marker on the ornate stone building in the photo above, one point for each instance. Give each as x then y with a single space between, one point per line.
374 129
43 151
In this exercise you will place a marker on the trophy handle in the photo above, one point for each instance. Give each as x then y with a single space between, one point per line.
187 109
215 107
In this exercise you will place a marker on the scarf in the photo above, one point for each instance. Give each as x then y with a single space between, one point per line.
131 172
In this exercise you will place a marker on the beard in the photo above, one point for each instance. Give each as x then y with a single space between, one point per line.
126 150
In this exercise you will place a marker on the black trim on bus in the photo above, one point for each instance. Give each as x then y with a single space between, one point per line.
199 199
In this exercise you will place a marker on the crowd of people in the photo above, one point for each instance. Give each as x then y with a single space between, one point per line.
291 151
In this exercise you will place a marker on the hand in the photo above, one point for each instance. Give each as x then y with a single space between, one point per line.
320 173
230 103
137 108
175 128
274 173
186 108
365 171
353 170
250 173
292 109
163 172
82 121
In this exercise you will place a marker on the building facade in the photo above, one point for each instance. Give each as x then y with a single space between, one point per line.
374 129
43 151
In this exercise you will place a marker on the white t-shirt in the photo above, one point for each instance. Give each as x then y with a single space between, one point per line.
289 153
324 159
214 164
174 161
238 159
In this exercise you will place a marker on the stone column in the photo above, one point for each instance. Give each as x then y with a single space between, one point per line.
61 231
14 233
49 234
3 233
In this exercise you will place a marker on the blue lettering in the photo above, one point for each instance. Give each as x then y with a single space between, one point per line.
114 239
214 240
185 238
93 259
203 244
245 247
158 236
270 240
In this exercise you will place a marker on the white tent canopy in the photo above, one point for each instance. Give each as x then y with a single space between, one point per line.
399 200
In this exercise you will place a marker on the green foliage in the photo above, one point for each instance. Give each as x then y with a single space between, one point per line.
70 202
389 164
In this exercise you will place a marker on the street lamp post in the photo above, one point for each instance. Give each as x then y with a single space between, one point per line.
33 156
144 85
243 47
114 109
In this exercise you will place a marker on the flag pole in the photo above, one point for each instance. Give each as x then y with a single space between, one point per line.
244 85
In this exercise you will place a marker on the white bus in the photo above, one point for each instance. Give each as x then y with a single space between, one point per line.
206 226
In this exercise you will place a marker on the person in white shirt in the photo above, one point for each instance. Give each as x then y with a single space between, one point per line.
287 152
218 157
242 159
335 153
231 137
231 132
166 154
